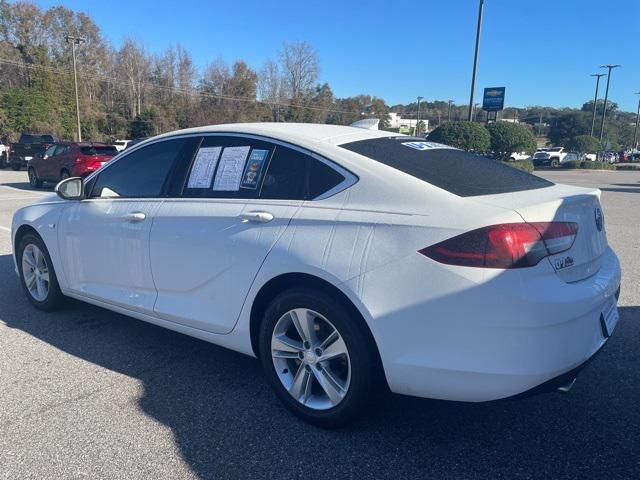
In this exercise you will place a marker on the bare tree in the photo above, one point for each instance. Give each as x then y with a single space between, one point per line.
135 67
270 88
301 67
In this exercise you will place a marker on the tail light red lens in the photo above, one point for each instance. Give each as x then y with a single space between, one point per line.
508 245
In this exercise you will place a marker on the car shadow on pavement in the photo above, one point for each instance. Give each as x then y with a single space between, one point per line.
28 187
226 422
620 189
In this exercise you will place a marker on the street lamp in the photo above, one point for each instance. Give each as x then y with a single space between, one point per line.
595 100
75 41
417 132
606 96
635 132
449 112
475 61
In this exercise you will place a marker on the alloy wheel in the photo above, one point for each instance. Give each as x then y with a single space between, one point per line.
35 272
311 359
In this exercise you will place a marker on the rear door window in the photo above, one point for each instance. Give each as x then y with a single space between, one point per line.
294 175
462 173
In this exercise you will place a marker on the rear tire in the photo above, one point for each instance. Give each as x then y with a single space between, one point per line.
64 174
555 163
3 160
336 369
37 275
34 181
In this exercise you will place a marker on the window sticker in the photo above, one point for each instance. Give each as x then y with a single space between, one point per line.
253 170
426 145
229 173
203 167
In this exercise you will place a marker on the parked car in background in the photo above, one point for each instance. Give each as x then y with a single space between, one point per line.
553 157
334 256
4 154
135 141
64 160
622 156
519 156
27 147
121 144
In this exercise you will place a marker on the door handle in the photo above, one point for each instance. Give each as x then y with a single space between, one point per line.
135 216
256 217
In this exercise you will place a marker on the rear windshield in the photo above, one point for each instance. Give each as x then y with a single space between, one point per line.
462 173
99 150
26 138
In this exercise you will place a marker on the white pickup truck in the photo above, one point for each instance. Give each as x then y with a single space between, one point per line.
552 157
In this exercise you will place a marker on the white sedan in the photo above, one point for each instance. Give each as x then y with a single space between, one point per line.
348 261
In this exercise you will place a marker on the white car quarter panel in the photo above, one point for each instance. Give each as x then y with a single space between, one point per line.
105 255
205 257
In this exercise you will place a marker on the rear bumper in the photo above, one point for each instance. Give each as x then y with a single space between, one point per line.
472 335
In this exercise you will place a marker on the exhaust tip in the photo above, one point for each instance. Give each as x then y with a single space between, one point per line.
567 386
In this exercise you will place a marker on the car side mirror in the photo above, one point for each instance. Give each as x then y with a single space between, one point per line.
70 189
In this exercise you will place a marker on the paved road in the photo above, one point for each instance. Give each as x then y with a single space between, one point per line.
86 393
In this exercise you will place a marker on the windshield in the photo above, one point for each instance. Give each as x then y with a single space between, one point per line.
462 173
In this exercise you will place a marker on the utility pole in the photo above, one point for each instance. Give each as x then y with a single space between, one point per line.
449 112
418 117
606 96
75 41
475 61
635 132
595 100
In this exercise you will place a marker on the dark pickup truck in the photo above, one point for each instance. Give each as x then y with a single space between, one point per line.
29 145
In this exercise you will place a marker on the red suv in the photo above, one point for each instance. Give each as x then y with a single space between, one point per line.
64 160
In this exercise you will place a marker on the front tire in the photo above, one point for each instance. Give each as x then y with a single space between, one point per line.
16 166
317 358
37 275
555 163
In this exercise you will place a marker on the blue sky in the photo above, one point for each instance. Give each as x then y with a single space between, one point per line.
542 50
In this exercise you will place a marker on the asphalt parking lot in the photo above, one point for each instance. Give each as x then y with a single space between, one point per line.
87 393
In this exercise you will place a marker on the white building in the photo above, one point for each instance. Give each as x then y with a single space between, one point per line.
396 121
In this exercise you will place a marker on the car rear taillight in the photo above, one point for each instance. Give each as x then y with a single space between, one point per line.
508 245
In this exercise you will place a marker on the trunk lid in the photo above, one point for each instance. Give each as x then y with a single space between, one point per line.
563 203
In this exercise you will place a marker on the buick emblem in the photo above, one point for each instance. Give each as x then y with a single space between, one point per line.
599 219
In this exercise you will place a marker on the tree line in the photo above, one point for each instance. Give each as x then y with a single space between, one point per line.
128 92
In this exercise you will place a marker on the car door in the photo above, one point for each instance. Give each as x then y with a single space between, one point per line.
42 163
209 241
104 239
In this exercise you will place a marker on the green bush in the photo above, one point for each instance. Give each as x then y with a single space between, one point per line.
589 165
462 134
526 165
627 167
507 138
571 164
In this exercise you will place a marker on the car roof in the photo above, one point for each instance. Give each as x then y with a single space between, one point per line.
298 133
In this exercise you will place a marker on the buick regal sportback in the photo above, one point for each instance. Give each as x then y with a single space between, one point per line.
348 261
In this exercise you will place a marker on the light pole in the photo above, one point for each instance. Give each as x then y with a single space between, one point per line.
417 132
449 112
606 96
635 132
475 61
595 100
74 42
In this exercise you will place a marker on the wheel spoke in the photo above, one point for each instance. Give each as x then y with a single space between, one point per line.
332 337
303 321
45 276
330 384
40 262
335 349
27 257
301 384
41 289
30 281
